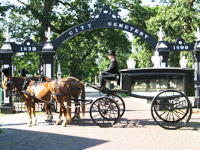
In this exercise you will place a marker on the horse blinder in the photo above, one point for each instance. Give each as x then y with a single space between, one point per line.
9 87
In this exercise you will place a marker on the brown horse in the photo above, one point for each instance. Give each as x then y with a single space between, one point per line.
59 89
77 87
75 92
42 78
39 79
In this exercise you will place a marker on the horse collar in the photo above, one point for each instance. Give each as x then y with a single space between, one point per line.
25 84
61 94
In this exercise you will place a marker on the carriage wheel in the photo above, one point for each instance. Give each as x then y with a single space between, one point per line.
120 102
104 112
171 109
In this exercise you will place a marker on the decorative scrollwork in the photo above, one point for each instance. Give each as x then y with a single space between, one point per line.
105 14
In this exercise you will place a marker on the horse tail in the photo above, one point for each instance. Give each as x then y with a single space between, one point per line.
83 98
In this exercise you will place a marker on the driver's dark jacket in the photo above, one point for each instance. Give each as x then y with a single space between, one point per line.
112 67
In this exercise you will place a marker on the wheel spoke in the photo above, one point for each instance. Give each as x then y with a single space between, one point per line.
180 112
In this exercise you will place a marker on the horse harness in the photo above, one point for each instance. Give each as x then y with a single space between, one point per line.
25 86
27 81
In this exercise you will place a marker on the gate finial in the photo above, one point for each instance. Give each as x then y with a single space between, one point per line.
197 34
6 35
106 14
161 34
48 34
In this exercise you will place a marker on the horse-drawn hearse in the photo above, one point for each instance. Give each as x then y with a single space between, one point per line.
168 90
170 105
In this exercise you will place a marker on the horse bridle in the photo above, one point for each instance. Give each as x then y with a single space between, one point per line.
9 85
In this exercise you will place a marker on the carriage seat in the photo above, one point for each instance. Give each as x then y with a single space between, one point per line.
110 78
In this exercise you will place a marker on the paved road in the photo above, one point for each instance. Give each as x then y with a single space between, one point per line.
136 131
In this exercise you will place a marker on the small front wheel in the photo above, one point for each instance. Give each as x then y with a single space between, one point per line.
120 102
104 112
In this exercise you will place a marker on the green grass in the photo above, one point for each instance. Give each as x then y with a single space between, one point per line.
1 114
122 94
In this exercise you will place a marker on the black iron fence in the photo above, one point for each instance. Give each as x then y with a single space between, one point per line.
20 106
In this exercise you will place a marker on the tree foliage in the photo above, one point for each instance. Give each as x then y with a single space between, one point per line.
176 17
78 56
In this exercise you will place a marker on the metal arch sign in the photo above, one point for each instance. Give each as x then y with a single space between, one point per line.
181 45
27 46
105 19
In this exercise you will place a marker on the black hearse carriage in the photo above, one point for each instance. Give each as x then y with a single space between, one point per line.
167 88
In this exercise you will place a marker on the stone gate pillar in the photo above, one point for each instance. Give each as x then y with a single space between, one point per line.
162 47
196 55
6 57
48 56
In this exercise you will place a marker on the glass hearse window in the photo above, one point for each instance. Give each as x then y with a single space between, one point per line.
176 82
156 83
139 84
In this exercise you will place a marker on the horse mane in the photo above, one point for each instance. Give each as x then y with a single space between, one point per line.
18 82
6 71
36 78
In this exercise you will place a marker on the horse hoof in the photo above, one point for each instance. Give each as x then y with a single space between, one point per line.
76 118
58 122
29 125
48 120
64 125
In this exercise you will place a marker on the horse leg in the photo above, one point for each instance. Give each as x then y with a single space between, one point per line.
76 116
49 116
47 112
50 113
60 116
64 110
34 114
30 116
69 110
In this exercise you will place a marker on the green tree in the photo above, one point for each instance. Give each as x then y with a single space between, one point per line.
78 55
4 7
138 16
29 61
177 18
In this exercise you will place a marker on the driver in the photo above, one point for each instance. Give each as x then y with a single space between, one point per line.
112 69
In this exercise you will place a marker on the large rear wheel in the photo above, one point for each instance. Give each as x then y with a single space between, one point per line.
171 109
